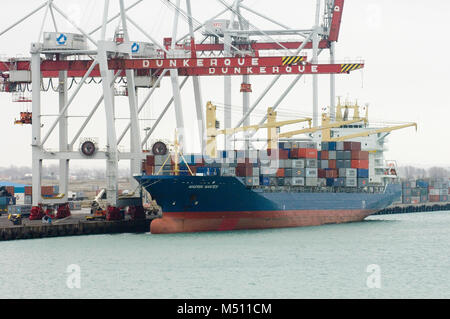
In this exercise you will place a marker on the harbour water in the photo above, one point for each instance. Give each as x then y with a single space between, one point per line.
407 255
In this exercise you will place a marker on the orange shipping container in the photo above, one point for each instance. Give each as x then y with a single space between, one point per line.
10 190
28 190
362 164
304 153
47 190
280 172
360 155
332 164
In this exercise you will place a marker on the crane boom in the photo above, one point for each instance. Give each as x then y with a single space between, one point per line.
212 125
266 125
320 128
371 132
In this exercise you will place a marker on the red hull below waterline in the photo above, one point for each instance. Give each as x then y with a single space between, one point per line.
174 222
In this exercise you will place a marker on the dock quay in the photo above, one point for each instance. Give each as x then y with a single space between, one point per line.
74 225
414 208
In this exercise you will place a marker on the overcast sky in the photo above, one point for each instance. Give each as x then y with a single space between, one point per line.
406 78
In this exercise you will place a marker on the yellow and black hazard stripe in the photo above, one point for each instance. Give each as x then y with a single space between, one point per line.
288 60
345 68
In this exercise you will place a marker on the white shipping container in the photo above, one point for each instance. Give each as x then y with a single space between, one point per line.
311 181
351 173
298 181
228 171
322 182
434 192
285 163
311 163
298 163
252 181
268 170
20 198
351 182
311 172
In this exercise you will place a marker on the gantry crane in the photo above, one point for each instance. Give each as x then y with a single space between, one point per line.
229 48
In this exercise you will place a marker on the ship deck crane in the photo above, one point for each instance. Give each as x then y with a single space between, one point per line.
324 127
327 136
370 132
212 125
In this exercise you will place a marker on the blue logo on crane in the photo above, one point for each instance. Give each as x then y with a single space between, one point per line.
61 39
135 47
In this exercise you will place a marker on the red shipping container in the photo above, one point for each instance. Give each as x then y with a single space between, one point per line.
278 153
362 164
47 190
243 171
360 155
149 169
331 163
352 146
294 153
347 146
355 146
150 160
321 173
332 173
283 154
324 155
10 190
280 172
433 198
305 153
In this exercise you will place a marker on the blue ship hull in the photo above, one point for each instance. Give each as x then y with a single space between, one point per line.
206 203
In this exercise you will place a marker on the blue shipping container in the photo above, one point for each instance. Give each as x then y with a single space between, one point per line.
363 173
265 181
331 146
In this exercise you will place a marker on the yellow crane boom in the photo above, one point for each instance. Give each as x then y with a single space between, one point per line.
371 132
319 128
256 127
212 125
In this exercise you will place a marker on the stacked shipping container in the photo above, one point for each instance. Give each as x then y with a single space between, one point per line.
421 191
339 164
343 164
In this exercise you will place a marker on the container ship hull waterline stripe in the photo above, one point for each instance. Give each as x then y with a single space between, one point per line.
220 203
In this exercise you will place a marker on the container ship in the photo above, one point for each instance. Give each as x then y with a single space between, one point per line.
292 183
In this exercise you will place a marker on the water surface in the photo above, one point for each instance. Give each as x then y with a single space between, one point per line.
412 252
